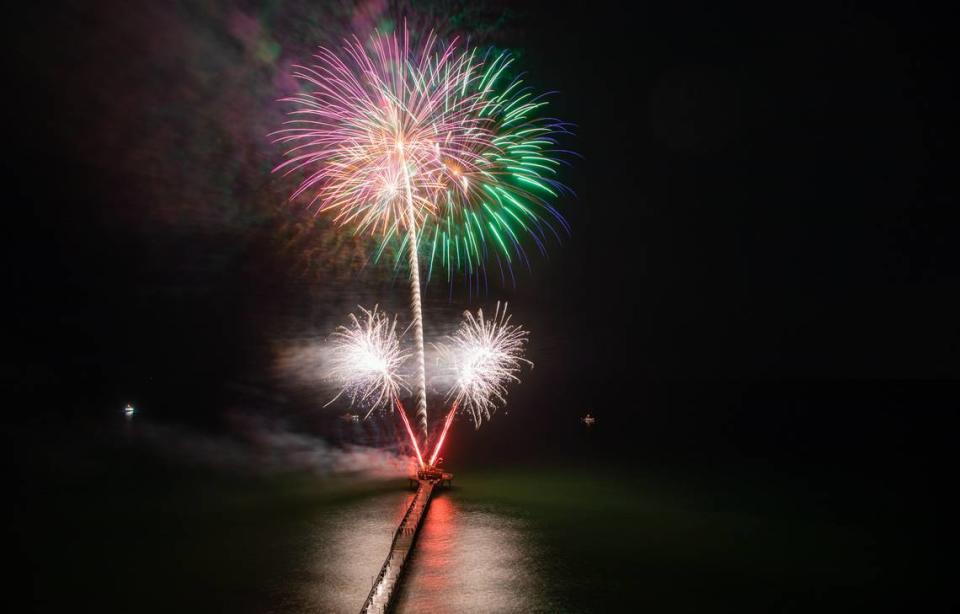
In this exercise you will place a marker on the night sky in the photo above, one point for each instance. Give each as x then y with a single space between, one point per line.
763 194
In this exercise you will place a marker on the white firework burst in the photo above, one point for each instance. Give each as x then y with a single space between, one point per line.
483 355
367 358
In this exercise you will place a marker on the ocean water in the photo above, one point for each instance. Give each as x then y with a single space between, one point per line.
469 557
473 556
529 540
593 521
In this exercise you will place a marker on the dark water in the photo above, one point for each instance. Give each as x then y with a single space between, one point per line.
788 524
538 540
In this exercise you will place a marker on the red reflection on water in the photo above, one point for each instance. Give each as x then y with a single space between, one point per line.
469 559
435 552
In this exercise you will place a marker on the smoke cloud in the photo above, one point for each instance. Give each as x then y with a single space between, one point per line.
263 447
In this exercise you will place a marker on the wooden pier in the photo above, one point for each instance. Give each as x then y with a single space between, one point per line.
385 586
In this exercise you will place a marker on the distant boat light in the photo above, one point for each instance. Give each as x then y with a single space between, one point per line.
128 411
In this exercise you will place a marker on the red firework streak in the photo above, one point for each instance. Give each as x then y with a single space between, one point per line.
413 440
443 433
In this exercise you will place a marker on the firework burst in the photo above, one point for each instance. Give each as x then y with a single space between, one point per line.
483 355
367 359
440 137
431 148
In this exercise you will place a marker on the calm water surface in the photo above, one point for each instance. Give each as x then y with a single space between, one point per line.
469 558
598 528
472 558
345 549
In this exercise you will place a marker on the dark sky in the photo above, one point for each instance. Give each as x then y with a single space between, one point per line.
763 194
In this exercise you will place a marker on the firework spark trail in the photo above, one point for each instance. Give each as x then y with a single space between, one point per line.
366 359
484 355
416 307
443 433
406 423
435 148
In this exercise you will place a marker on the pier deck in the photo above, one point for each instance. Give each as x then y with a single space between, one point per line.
385 586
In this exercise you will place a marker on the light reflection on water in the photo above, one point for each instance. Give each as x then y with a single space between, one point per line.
348 547
471 558
468 558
